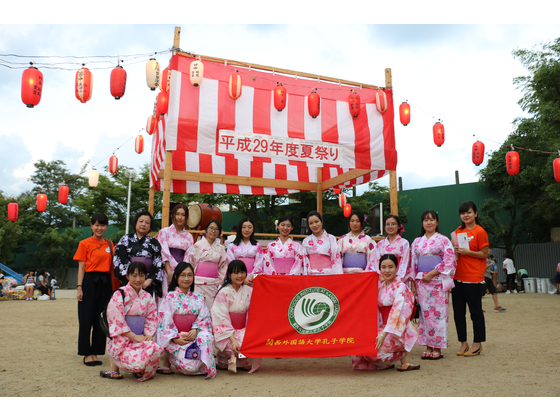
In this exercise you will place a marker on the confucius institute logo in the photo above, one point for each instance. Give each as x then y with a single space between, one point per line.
313 310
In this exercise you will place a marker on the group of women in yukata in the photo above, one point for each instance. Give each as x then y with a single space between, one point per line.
177 306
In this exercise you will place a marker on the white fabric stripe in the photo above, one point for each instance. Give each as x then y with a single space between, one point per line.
346 135
270 191
292 173
279 119
192 163
244 110
219 188
246 190
269 171
311 126
193 187
244 167
207 116
377 143
173 110
219 165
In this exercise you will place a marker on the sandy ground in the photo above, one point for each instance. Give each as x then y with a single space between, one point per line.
38 358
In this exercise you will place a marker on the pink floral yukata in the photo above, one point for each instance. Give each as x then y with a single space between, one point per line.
290 249
229 301
169 238
203 252
192 303
247 250
130 355
325 245
401 334
363 244
433 296
400 248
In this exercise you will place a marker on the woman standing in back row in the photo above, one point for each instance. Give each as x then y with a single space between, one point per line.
472 248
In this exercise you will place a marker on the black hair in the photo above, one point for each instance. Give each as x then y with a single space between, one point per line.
284 218
236 266
182 266
392 216
427 213
388 257
360 216
239 233
101 218
311 214
139 215
137 265
217 224
465 207
491 256
41 272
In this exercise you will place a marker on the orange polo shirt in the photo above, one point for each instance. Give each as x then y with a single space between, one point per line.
471 269
96 255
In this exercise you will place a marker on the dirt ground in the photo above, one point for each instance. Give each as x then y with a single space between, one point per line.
38 358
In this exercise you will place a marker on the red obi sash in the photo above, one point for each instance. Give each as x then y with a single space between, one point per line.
249 263
238 320
283 265
207 269
319 261
184 322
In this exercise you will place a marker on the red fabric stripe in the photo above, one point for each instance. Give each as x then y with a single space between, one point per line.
257 172
281 174
231 169
261 111
296 116
362 149
329 126
179 164
187 133
389 134
205 165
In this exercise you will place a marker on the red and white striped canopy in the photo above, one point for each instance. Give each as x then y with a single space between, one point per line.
192 129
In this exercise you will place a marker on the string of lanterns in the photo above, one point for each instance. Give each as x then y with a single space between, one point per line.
32 87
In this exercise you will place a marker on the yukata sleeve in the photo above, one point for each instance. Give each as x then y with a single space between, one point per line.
229 253
297 267
189 247
115 315
370 252
222 264
448 265
203 321
121 260
194 255
221 321
151 321
401 311
163 239
413 270
166 330
374 266
258 267
268 263
336 256
305 259
157 261
404 266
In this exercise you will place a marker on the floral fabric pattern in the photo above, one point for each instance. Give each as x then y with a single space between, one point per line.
132 246
247 250
361 243
400 248
325 245
290 249
169 238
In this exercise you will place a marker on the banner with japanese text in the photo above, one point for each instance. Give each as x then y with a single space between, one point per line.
312 316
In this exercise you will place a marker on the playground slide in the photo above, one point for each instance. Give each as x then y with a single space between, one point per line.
8 272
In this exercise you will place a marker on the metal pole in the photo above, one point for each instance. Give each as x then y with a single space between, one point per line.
128 205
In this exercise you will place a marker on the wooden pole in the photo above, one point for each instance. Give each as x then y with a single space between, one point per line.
151 202
168 156
393 192
320 190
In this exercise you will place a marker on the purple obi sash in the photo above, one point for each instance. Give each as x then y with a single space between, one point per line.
135 323
385 311
355 260
283 265
146 260
177 254
249 262
319 261
427 263
238 320
184 322
207 269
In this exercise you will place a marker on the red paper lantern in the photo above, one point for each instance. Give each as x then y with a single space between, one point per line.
478 153
63 194
165 80
113 164
84 85
354 104
139 144
404 112
347 210
151 125
336 190
41 202
381 101
439 134
235 86
512 162
31 86
280 97
556 167
13 210
314 104
162 104
118 82
341 201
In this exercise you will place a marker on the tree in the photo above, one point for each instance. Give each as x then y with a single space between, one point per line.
58 252
529 202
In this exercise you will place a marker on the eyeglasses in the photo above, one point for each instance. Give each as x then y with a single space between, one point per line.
213 229
391 224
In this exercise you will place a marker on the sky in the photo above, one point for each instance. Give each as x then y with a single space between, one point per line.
461 74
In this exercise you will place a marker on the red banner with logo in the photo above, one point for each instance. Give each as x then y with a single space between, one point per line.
312 316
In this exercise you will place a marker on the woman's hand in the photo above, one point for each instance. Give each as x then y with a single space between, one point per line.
235 345
147 283
429 276
191 335
138 338
79 294
181 340
249 280
148 338
379 341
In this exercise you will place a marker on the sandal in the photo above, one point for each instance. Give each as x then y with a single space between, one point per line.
426 355
138 375
437 356
165 370
407 366
110 374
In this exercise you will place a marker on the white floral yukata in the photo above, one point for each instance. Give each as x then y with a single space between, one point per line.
169 238
400 248
130 355
325 245
202 251
229 301
401 334
433 296
247 250
360 243
192 303
290 249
